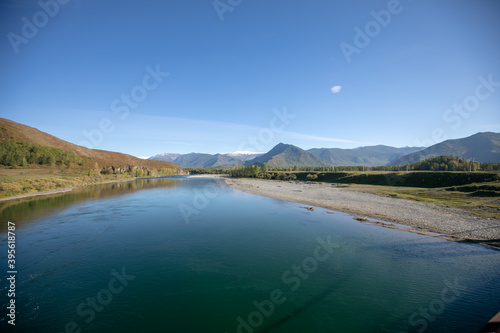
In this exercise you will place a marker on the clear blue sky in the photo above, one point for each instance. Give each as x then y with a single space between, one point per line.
347 73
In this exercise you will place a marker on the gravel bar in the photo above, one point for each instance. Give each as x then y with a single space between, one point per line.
452 223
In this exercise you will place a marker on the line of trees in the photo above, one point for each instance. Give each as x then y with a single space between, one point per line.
446 163
487 166
23 154
304 168
443 163
255 171
205 171
440 163
252 171
229 170
135 171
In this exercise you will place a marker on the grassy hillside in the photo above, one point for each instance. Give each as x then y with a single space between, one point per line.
10 130
34 161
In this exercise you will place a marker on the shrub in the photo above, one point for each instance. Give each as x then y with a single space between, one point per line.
311 177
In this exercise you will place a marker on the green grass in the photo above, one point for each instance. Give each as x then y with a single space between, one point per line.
483 206
475 192
426 179
24 181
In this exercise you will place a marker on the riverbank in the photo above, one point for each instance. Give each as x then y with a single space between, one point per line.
423 218
63 190
18 182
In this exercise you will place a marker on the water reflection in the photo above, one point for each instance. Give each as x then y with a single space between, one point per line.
32 208
238 249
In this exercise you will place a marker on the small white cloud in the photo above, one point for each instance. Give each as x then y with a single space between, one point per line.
336 89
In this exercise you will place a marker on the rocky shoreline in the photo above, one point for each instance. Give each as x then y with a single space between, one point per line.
423 218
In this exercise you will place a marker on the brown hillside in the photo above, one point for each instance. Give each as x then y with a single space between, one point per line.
21 133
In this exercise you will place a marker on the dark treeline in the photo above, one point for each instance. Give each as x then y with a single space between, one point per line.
262 171
213 171
249 170
443 163
253 171
425 179
22 154
440 163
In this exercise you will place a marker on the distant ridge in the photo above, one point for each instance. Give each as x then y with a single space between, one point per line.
200 160
295 156
482 147
243 155
167 157
367 156
195 160
287 155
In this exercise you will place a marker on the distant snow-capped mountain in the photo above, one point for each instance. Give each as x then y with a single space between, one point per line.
167 157
199 160
243 155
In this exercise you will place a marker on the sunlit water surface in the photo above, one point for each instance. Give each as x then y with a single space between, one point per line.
193 255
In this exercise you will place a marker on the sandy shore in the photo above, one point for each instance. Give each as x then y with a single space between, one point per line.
34 194
455 224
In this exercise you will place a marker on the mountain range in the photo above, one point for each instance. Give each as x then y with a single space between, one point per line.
283 155
200 160
482 147
368 156
287 155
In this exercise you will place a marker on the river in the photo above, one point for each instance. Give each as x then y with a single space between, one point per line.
184 254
